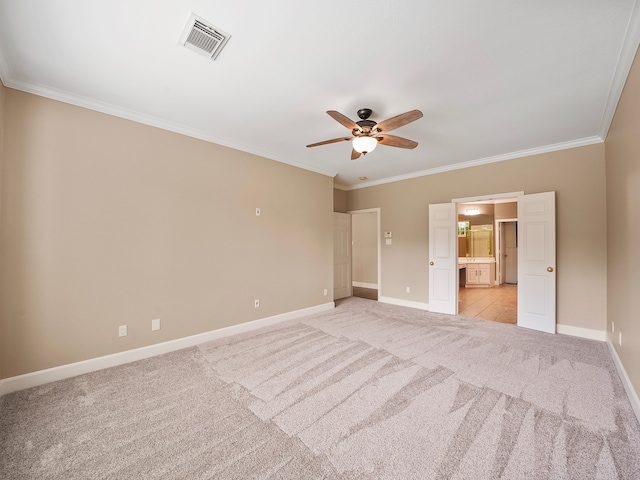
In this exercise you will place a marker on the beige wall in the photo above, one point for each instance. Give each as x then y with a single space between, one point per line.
364 253
2 95
506 210
577 176
108 222
623 226
339 201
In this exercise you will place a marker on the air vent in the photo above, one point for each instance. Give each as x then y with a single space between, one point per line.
203 38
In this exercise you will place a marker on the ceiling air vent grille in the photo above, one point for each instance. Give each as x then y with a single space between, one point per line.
203 38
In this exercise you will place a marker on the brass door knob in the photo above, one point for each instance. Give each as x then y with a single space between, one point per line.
549 269
431 263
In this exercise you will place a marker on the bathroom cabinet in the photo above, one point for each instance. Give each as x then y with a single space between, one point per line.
481 274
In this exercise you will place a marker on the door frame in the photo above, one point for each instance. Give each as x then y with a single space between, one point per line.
375 210
497 245
484 198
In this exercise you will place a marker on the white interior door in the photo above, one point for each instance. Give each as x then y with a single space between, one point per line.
341 255
443 258
537 262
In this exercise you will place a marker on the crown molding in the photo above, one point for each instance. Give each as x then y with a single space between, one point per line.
126 114
481 161
623 66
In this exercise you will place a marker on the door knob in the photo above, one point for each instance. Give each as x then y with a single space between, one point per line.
549 269
431 263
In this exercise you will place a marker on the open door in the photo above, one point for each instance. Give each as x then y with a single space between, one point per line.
342 286
443 258
537 262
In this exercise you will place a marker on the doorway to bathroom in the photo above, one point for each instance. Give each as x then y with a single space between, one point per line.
488 259
536 288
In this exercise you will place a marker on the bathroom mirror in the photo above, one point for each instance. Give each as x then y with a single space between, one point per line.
475 229
480 241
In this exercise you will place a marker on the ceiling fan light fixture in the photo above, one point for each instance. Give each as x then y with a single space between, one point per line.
364 145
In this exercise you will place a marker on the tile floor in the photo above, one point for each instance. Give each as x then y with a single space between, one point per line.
499 303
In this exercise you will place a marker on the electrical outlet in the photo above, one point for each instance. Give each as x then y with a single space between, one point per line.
257 212
155 324
256 303
326 292
122 331
408 289
620 338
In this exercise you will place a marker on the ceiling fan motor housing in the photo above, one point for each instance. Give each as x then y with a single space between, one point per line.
366 126
364 113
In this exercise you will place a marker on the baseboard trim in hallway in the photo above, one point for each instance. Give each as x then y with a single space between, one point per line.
365 292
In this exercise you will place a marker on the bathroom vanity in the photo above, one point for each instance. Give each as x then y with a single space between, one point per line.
480 271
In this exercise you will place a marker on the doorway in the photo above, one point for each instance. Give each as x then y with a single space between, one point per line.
365 259
536 289
507 251
495 298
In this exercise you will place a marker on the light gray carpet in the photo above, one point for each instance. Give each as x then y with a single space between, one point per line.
364 391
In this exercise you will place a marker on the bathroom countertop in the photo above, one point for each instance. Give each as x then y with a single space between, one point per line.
465 260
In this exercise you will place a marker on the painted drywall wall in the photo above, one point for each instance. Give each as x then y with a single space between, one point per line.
622 148
577 176
506 210
107 222
364 251
2 95
339 201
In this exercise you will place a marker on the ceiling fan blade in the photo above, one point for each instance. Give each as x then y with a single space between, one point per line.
393 141
334 140
340 118
398 121
355 154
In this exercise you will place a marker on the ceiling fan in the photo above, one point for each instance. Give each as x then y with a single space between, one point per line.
367 133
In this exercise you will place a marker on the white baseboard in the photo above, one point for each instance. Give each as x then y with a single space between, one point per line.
626 381
582 332
364 285
404 303
41 377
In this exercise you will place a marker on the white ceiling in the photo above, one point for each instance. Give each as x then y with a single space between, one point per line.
494 79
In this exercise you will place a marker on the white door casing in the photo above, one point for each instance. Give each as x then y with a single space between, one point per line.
341 256
537 262
375 211
443 258
510 252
